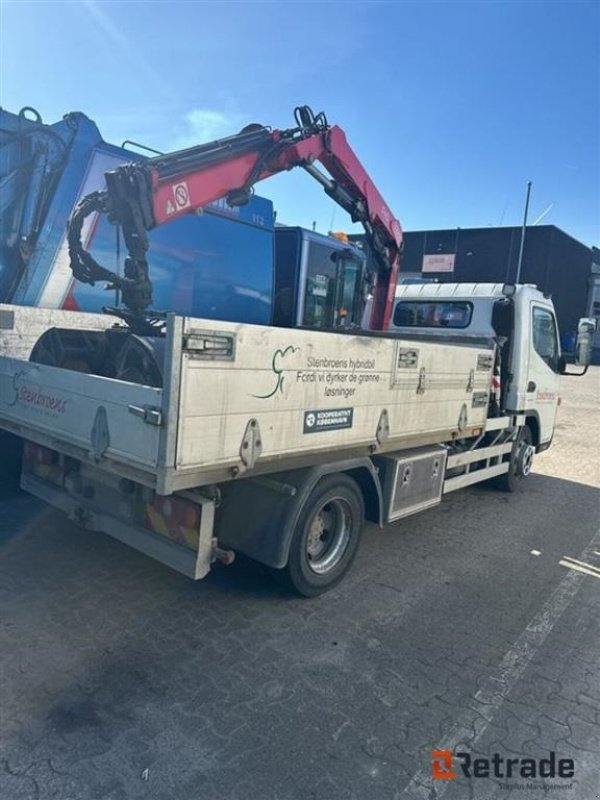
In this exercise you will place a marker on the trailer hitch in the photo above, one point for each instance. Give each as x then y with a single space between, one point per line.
226 557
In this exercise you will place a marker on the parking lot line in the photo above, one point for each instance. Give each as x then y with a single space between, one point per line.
586 569
497 687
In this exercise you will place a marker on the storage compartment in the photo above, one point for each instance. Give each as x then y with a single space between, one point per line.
412 480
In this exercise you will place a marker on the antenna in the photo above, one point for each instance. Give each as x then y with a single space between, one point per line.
543 214
518 278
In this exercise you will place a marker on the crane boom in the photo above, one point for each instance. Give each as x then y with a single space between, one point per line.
141 196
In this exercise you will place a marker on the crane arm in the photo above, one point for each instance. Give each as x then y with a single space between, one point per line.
142 196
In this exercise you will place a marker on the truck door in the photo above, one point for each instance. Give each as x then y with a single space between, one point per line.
543 372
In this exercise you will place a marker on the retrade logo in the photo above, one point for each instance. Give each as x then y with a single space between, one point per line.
441 765
496 766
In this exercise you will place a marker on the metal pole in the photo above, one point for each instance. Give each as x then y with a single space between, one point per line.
456 248
520 262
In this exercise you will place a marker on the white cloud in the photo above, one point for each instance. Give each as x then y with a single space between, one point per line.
205 125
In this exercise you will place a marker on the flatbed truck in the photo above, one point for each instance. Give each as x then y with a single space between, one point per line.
278 443
192 439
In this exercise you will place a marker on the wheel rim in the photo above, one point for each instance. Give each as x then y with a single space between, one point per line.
328 535
525 459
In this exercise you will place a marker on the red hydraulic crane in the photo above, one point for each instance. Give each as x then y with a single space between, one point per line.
141 196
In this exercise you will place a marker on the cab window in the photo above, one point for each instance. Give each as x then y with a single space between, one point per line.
545 340
333 293
432 314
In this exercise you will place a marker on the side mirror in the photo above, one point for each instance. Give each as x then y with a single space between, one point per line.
583 344
562 365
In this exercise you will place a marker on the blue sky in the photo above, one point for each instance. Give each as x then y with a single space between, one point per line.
452 106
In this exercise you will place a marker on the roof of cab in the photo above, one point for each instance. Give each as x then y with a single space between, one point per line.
430 291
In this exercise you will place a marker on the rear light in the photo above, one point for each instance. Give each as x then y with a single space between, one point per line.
36 454
175 517
178 510
43 463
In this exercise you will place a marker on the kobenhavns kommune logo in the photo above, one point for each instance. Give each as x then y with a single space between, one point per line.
511 773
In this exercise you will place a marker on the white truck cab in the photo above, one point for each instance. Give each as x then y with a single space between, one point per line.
520 318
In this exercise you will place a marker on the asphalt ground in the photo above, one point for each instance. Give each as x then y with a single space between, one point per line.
458 629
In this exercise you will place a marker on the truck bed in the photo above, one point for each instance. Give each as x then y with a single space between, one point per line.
22 326
241 398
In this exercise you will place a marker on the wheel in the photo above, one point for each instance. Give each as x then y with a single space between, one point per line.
521 461
326 536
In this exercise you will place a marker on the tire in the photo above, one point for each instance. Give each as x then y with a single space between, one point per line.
521 459
325 538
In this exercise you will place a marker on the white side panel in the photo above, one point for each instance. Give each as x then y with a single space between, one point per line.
284 378
64 405
22 326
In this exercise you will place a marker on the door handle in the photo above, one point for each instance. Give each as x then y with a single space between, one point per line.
531 386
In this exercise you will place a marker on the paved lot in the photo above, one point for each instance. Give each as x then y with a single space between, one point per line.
121 679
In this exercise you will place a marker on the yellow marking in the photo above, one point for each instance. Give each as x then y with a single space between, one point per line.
579 569
583 564
190 536
156 521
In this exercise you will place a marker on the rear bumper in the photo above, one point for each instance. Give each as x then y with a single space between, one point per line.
193 563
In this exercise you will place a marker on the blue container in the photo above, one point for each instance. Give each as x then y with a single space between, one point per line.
567 342
218 265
